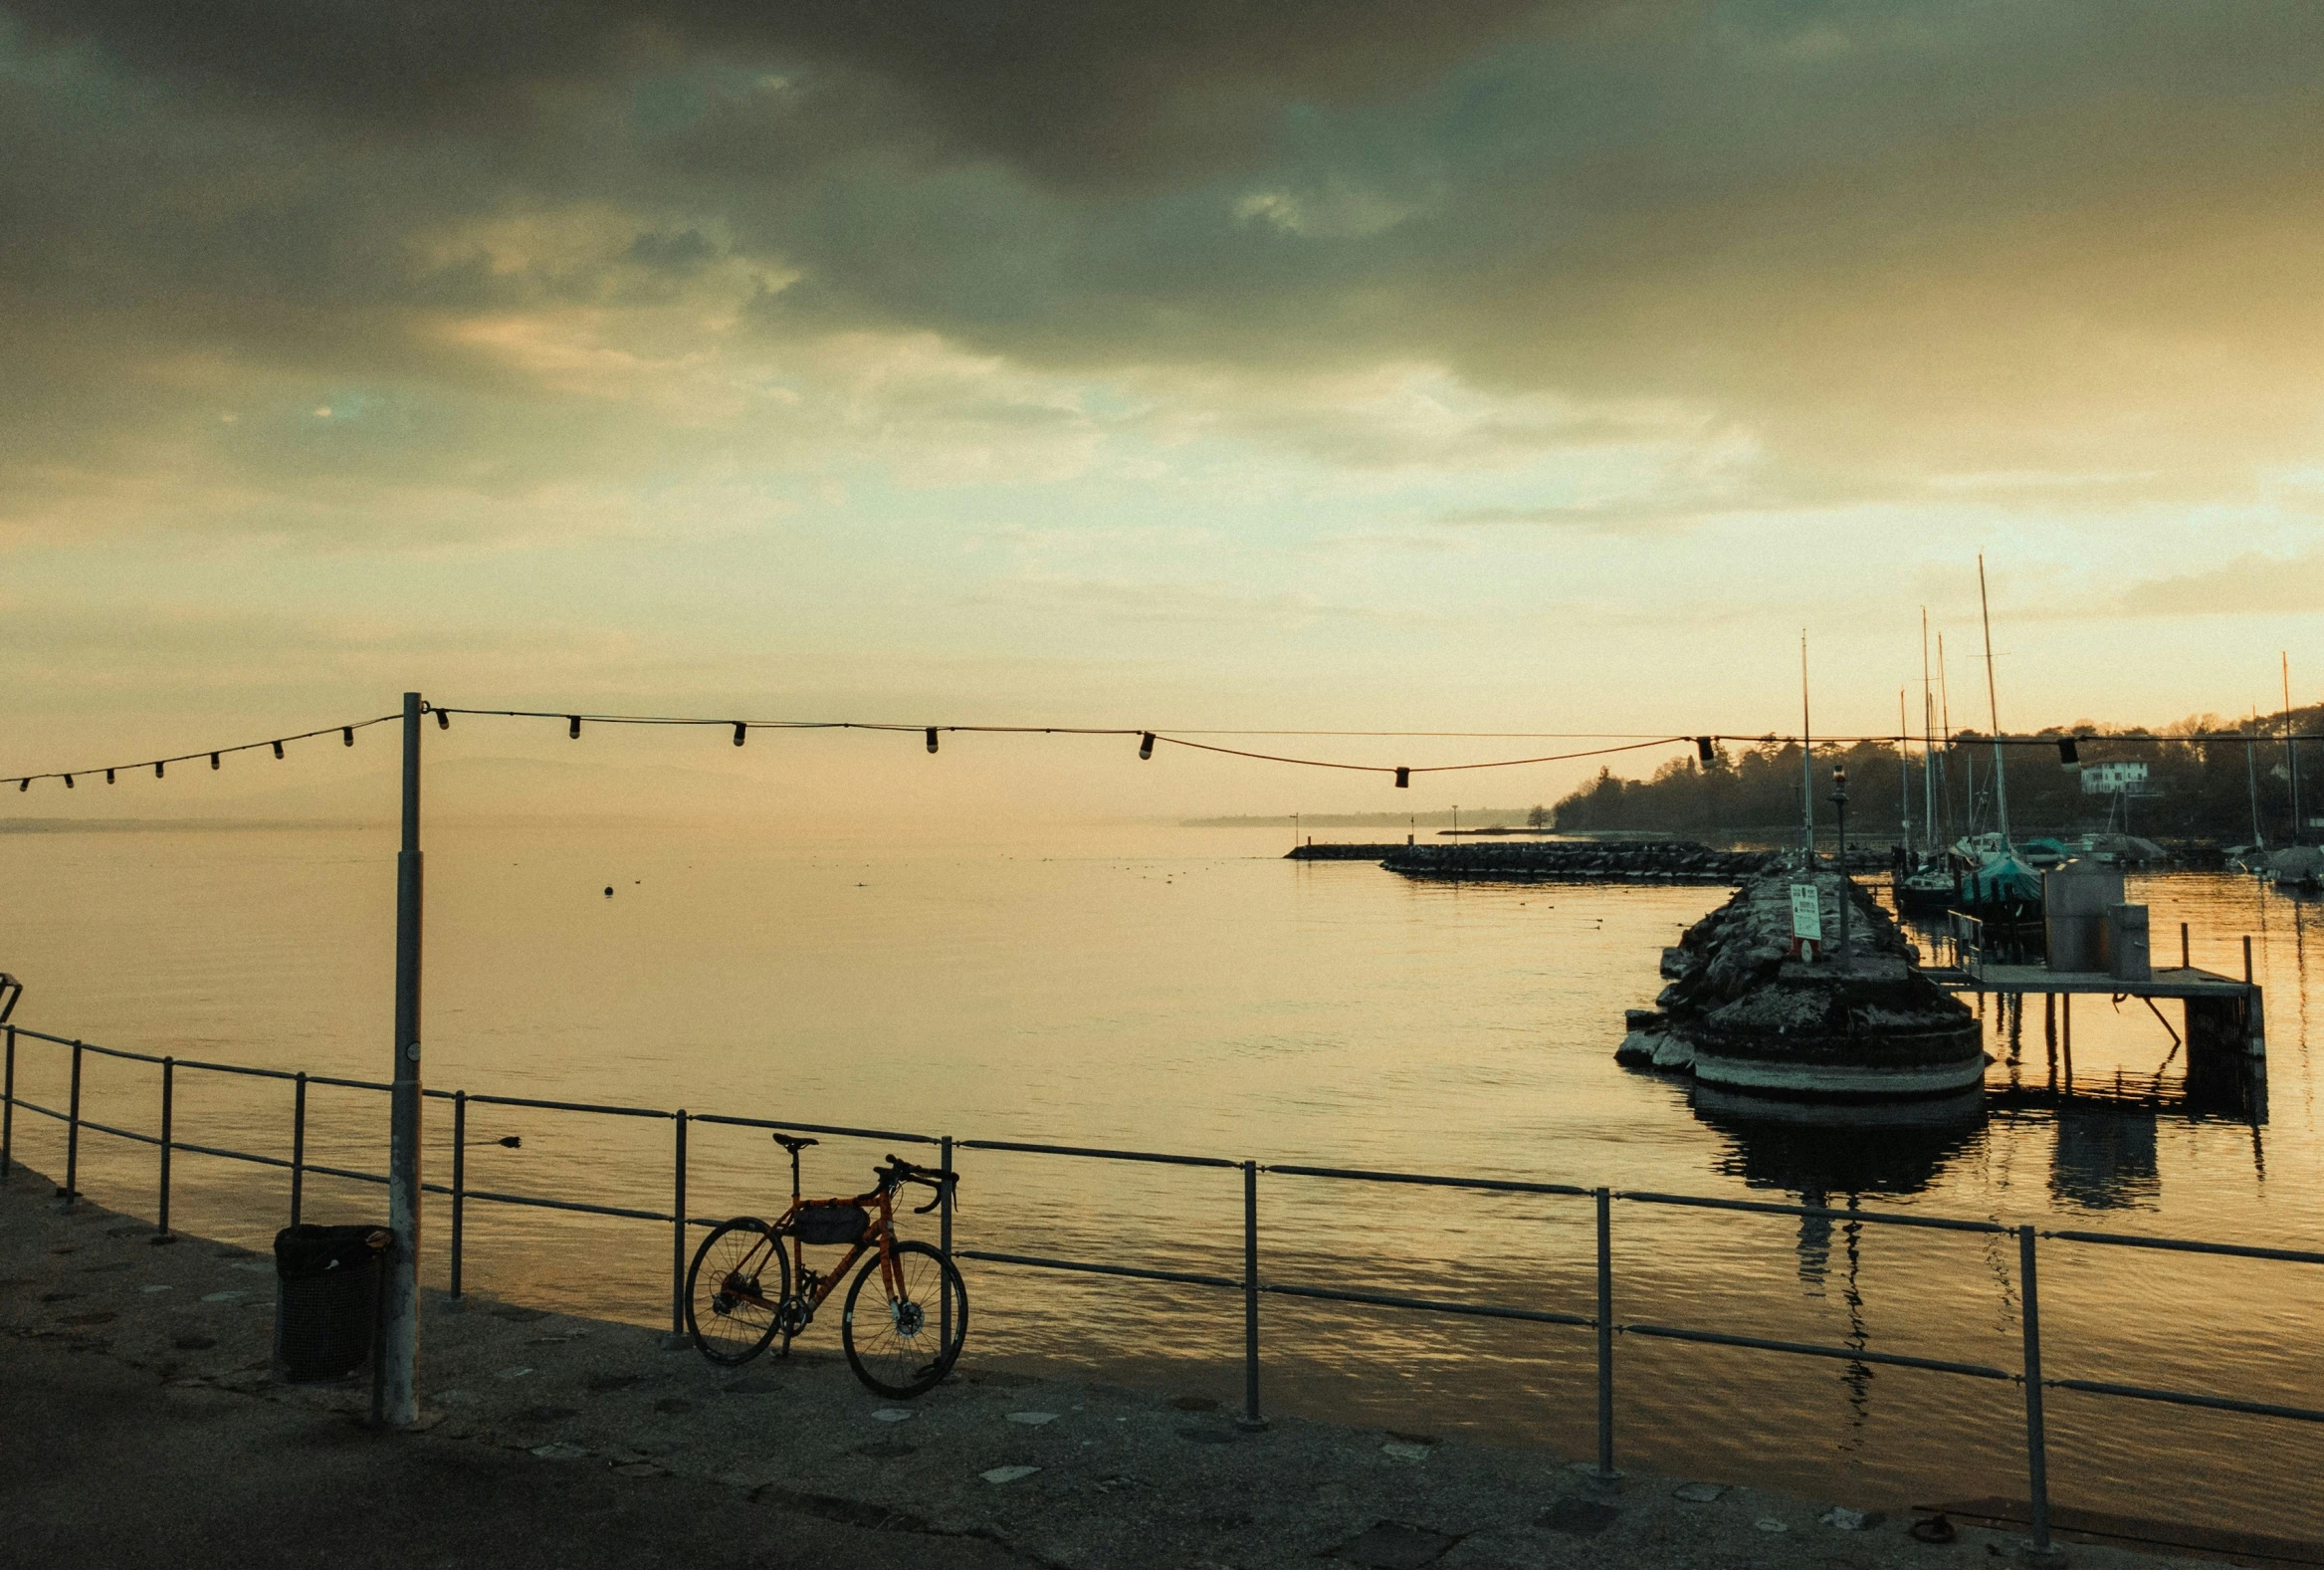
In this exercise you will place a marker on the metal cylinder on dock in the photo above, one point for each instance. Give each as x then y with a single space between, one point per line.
2074 900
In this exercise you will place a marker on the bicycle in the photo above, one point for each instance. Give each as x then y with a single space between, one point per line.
905 1348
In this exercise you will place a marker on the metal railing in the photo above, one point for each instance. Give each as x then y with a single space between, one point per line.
2027 1374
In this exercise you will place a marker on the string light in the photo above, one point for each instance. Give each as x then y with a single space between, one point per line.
1706 746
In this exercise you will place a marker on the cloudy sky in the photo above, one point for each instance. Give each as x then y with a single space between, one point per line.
1465 365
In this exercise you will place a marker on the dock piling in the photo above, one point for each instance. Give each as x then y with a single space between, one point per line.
2041 1549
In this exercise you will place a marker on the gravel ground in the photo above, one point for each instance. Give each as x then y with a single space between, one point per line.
559 1440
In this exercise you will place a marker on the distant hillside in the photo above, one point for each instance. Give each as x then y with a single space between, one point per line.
2194 788
1470 817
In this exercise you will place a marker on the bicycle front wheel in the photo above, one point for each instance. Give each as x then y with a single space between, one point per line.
905 1341
733 1292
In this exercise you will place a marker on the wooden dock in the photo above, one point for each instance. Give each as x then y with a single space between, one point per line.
2221 1010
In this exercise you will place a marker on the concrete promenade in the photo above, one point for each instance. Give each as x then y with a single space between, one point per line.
139 1427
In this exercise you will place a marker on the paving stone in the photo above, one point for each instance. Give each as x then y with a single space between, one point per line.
1393 1545
1578 1517
999 1474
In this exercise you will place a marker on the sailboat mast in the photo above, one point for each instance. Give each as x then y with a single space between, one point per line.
1807 767
2251 778
1945 705
1928 762
2291 752
1904 770
1994 711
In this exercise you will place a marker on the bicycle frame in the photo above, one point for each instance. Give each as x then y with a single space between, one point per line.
880 1235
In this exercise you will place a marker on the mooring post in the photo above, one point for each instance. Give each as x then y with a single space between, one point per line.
1251 1418
2036 1446
678 1234
298 1147
161 1232
394 1388
459 1177
944 1160
8 1109
1605 1336
72 1189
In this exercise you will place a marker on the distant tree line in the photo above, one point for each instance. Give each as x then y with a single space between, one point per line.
2199 786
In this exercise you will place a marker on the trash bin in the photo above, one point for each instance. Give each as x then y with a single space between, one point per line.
326 1298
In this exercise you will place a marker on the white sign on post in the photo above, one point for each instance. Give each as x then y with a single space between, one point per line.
1806 914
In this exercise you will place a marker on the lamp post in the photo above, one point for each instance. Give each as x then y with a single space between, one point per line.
1839 801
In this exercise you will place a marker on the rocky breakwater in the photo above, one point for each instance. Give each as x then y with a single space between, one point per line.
1641 862
1741 1014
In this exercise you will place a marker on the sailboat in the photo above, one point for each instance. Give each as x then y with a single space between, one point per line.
1925 882
1998 884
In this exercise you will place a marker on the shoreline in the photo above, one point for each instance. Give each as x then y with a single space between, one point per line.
1115 1476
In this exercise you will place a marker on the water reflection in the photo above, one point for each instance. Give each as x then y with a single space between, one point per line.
2104 1159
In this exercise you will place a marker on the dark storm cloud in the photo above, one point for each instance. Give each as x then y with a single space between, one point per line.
1893 240
1079 90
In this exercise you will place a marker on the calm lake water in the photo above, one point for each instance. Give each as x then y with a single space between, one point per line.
1188 990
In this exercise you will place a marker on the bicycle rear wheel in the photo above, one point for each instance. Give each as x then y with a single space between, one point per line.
730 1310
896 1342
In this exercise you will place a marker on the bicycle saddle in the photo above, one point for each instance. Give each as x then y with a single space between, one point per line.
793 1143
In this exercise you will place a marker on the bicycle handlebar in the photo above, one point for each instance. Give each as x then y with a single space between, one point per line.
898 1172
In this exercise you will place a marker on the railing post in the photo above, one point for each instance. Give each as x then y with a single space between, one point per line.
459 1177
2036 1446
2246 959
943 1160
72 1189
161 1232
1605 1336
298 1146
678 1235
8 1110
1251 1418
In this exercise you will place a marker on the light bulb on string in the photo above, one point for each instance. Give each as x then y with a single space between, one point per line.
443 721
68 782
573 729
740 730
157 767
348 734
109 777
213 760
278 749
932 738
1146 745
1403 778
23 784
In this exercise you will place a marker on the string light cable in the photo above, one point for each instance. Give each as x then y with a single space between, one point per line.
159 765
1705 744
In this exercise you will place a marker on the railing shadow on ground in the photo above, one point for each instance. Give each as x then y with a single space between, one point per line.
1602 1322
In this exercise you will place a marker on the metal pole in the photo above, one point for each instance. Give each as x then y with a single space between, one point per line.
945 1241
394 1393
161 1232
298 1147
678 1235
72 1189
459 1177
1605 1336
2037 1449
2184 962
2247 964
8 1110
1251 1418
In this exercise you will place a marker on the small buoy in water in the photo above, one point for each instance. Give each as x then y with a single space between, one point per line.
609 891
